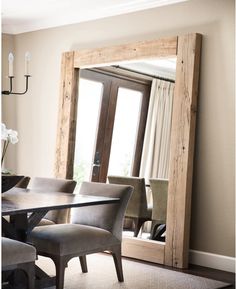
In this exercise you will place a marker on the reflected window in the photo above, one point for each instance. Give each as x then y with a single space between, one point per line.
125 132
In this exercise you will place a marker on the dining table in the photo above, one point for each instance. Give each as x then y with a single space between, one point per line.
26 207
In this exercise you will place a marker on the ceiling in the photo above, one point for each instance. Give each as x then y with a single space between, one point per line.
165 67
19 16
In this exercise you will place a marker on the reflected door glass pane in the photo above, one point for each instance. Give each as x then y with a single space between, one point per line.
90 95
125 132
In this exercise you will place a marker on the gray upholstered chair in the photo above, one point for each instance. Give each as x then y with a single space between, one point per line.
93 229
137 209
159 188
18 255
23 183
56 185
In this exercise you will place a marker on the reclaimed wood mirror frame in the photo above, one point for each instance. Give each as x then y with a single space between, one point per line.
174 252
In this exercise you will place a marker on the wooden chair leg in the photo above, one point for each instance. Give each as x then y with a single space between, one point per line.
116 254
154 226
154 223
60 264
83 264
138 224
31 275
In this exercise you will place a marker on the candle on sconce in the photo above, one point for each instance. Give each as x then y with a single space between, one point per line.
10 63
27 60
11 75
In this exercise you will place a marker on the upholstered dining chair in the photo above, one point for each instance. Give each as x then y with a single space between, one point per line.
159 188
18 255
56 185
137 209
92 229
23 183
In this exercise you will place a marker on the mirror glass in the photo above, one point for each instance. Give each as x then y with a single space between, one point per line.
123 129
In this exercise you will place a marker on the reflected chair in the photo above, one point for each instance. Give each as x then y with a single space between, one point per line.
93 229
159 188
18 255
137 209
54 185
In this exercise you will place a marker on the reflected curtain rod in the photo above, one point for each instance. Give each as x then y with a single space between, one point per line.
143 73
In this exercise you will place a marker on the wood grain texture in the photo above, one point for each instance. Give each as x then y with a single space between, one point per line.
175 252
22 201
67 118
165 47
182 151
146 250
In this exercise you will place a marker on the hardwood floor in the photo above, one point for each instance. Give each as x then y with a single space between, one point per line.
219 275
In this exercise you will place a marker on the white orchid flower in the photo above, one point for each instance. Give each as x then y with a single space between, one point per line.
4 134
12 136
8 136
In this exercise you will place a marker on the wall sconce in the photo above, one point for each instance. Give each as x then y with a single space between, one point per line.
11 75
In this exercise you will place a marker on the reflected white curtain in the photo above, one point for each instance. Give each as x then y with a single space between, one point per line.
156 149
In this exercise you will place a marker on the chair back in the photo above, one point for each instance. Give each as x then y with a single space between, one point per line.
137 206
109 216
159 189
23 183
54 185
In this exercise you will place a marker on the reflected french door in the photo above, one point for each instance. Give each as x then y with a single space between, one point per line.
111 121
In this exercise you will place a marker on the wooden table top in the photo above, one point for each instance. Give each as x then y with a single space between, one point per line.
18 201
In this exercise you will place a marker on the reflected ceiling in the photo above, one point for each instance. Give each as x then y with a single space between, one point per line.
159 67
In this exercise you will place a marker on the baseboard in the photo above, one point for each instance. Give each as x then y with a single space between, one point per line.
214 261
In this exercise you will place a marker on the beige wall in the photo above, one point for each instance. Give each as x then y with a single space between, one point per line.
9 104
35 117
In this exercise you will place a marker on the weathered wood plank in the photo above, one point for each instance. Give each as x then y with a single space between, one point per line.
182 151
66 118
175 252
165 47
147 250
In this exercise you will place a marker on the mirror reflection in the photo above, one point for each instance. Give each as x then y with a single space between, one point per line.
123 136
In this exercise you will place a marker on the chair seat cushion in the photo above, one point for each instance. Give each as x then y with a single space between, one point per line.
64 239
15 252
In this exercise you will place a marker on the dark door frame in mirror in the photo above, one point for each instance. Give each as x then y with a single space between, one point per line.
111 83
187 49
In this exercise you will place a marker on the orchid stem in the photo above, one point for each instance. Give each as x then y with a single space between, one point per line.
4 150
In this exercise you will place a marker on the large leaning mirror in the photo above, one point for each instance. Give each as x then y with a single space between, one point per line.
84 69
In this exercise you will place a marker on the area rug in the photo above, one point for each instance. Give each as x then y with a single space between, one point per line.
102 275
